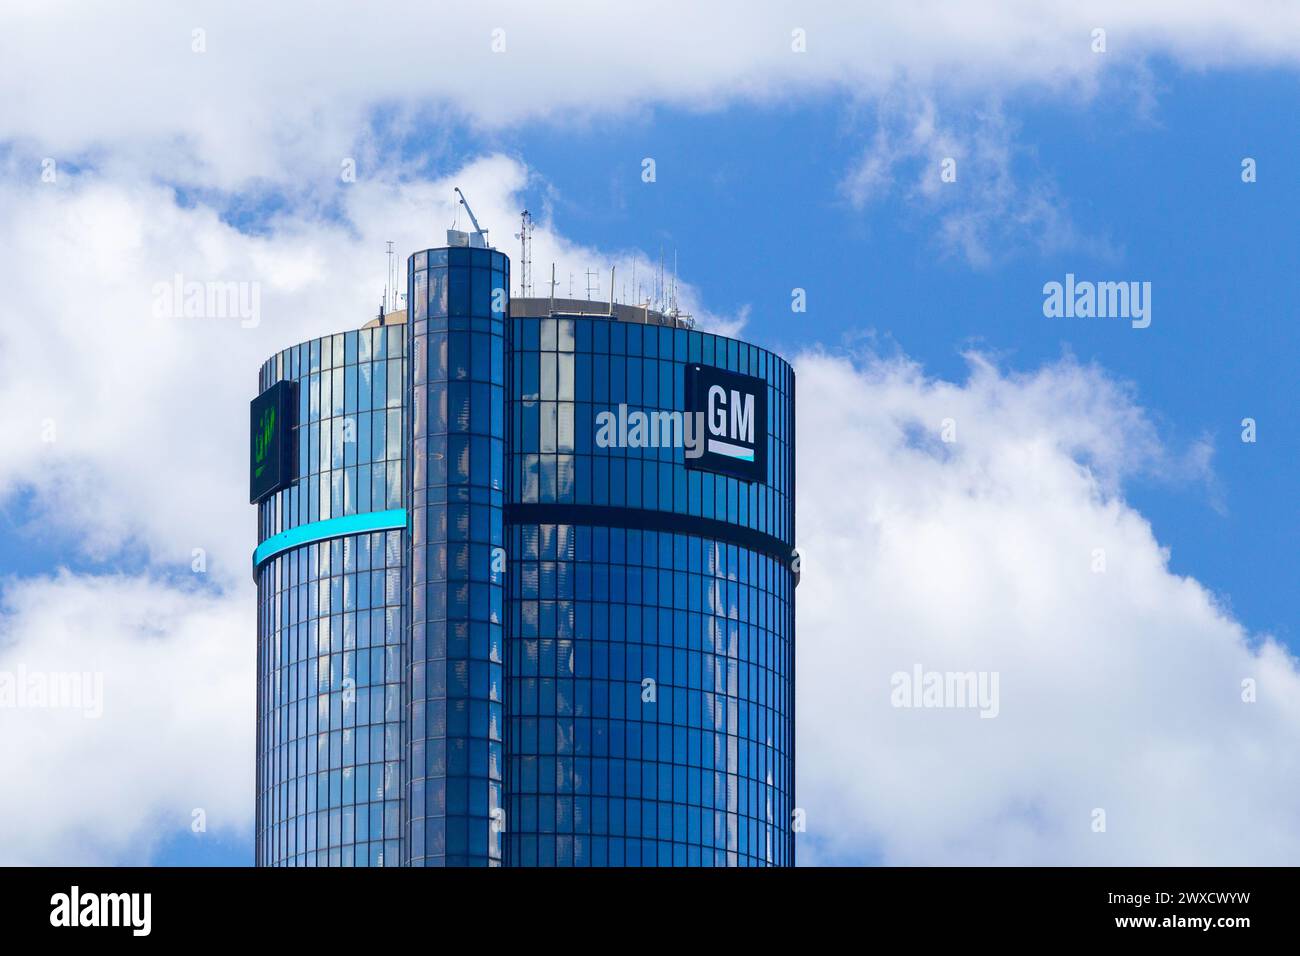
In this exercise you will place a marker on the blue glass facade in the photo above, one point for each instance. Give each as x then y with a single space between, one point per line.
650 680
456 496
588 656
330 643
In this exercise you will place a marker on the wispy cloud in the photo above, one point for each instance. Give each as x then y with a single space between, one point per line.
966 175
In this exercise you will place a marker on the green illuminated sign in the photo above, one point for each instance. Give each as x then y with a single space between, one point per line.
271 420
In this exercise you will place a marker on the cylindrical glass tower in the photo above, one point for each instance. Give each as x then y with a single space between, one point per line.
530 600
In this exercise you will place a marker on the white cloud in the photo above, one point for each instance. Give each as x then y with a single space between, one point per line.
175 735
284 91
282 94
1118 690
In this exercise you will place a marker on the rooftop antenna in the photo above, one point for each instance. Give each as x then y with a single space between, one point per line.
589 276
390 288
552 287
525 237
674 281
659 282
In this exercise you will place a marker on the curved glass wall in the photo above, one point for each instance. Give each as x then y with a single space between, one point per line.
568 370
456 444
330 637
650 700
651 665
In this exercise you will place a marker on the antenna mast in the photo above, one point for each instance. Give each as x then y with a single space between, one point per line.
525 237
390 286
659 283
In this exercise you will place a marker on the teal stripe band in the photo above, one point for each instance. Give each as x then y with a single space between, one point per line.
324 530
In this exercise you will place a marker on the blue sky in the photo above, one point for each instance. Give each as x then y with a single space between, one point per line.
752 201
773 172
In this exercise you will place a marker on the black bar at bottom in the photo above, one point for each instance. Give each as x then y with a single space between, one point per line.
377 908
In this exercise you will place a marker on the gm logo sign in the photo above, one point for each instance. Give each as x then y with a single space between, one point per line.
734 410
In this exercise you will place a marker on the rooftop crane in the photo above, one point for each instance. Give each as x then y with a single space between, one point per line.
478 229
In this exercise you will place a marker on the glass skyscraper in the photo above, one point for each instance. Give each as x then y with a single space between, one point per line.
525 586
